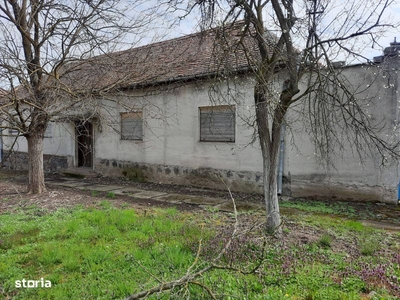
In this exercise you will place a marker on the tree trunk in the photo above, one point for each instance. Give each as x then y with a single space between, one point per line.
35 164
270 185
269 148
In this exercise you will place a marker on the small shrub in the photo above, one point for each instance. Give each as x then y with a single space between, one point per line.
368 247
95 193
110 195
134 174
325 241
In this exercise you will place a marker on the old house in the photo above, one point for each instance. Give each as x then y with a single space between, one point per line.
182 114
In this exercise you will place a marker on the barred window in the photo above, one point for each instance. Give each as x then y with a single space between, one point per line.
132 126
217 123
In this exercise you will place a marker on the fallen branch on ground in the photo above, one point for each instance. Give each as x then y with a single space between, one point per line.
189 277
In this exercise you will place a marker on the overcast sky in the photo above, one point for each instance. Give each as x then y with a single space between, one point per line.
366 47
393 15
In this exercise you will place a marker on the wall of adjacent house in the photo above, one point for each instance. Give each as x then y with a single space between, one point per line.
348 177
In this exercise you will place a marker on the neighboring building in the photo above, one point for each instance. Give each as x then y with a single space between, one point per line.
176 123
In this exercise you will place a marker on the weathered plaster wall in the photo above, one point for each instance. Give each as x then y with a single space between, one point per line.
171 133
171 150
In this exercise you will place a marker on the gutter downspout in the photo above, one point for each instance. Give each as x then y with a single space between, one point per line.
281 159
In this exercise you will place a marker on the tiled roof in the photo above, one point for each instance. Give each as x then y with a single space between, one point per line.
197 55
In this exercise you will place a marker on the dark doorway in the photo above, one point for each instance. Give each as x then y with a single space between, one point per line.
84 140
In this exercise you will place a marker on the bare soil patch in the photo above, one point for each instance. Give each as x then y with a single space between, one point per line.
13 197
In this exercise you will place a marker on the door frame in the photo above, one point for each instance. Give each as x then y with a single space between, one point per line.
84 142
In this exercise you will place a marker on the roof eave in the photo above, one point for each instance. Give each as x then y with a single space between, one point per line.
185 79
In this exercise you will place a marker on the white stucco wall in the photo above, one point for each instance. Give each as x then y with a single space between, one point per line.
172 137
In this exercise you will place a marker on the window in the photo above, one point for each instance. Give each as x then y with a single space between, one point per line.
132 126
217 123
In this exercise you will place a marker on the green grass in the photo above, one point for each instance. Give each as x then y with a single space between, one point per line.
109 253
333 208
93 253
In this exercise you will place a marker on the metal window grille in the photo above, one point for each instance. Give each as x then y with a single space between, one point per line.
217 123
132 126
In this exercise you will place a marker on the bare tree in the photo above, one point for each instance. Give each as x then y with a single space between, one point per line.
300 39
41 44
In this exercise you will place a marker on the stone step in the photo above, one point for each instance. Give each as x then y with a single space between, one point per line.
79 172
